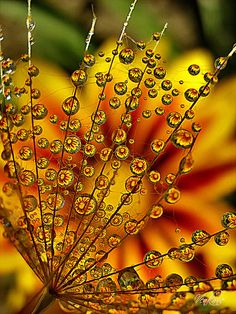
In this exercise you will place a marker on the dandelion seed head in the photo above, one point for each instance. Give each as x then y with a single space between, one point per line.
75 189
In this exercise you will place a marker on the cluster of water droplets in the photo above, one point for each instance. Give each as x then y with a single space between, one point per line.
74 190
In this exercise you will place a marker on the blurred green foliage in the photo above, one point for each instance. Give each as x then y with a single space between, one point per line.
62 26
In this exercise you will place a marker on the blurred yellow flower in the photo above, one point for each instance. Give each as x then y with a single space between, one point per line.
110 190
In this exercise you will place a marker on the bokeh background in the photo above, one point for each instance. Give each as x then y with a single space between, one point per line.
61 29
63 25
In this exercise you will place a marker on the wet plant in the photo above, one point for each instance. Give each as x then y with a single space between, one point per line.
76 184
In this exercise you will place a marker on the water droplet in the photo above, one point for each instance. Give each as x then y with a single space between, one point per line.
33 71
173 281
220 63
22 134
99 117
224 271
186 164
175 92
156 211
25 109
126 56
122 152
72 144
138 166
43 142
149 82
106 286
229 220
30 23
24 58
102 182
114 240
108 59
166 85
117 220
154 176
25 153
174 253
152 259
55 201
222 238
65 178
53 118
129 279
8 66
51 174
39 111
174 119
200 237
6 80
16 119
190 281
101 54
151 64
120 88
146 114
187 253
189 114
152 93
159 111
133 184
89 60
11 168
191 94
130 225
30 203
149 53
108 77
26 177
37 130
145 60
8 188
196 127
56 146
74 125
88 171
100 81
70 105
141 45
105 154
167 99
79 77
217 293
35 93
204 91
135 75
119 136
172 195
210 78
85 204
101 96
42 162
136 91
89 150
170 178
159 72
194 69
156 36
182 138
